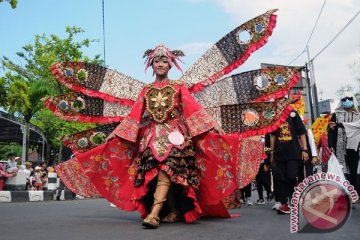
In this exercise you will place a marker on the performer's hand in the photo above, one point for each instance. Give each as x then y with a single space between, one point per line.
218 129
332 125
111 136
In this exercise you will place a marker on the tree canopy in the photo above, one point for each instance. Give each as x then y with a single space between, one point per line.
13 3
26 83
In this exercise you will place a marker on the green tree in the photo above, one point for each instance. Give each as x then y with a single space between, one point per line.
13 3
29 83
3 93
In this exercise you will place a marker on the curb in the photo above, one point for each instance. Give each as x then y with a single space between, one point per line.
35 196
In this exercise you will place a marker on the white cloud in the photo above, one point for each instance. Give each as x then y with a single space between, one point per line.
295 22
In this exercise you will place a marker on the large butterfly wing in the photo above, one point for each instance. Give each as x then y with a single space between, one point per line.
90 138
266 84
76 106
251 119
230 52
250 103
97 81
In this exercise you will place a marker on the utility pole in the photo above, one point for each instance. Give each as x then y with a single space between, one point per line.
312 86
309 93
24 145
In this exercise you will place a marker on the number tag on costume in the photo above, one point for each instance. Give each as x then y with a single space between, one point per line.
176 138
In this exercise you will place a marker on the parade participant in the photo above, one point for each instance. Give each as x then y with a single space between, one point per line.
286 153
342 142
169 158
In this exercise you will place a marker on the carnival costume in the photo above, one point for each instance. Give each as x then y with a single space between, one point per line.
166 125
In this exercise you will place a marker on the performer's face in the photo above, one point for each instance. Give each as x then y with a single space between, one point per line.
161 66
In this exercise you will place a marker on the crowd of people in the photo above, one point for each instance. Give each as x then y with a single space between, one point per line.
36 176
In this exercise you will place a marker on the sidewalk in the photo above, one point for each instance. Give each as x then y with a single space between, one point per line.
34 196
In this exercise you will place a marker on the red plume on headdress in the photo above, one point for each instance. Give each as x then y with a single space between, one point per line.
160 51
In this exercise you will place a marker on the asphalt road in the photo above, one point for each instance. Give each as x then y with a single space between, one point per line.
94 219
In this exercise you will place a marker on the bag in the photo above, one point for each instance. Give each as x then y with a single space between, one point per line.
335 167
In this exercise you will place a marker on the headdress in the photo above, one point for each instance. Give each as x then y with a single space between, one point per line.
162 51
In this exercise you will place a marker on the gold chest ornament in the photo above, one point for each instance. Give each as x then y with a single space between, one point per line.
160 102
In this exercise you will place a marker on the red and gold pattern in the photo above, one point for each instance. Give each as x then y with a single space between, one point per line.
75 178
200 121
128 129
160 102
250 157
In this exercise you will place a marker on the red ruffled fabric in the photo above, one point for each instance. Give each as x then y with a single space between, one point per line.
79 117
252 48
109 170
88 92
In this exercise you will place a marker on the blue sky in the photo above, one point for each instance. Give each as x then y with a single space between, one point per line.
193 26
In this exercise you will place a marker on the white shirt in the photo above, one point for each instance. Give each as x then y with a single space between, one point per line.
11 166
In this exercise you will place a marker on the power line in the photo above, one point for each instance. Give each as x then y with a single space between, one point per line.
333 39
317 20
296 57
103 18
312 32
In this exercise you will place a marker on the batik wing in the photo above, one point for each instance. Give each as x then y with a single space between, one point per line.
266 84
85 140
97 81
251 119
230 52
75 106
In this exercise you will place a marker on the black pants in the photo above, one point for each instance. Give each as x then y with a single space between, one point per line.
288 171
61 188
246 191
305 169
352 160
263 180
276 182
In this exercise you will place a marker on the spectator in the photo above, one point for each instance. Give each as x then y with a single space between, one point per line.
4 175
38 181
32 181
11 166
27 170
44 174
